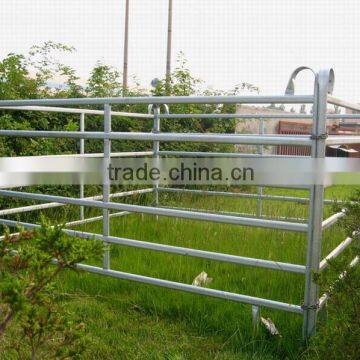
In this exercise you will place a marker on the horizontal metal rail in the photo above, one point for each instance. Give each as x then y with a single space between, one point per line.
166 283
56 204
240 260
159 100
235 116
243 195
272 224
335 101
344 116
174 116
325 297
195 289
342 139
301 140
332 219
254 116
236 194
95 155
231 213
76 111
96 218
335 253
350 124
226 155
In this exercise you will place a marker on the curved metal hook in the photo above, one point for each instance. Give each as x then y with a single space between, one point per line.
166 109
290 88
151 108
329 73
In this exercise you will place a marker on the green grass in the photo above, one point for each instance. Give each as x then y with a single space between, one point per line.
128 320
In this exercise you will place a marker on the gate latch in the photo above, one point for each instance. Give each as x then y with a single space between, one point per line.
319 137
310 307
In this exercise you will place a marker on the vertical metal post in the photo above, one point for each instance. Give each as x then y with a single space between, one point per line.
168 50
256 315
82 151
261 152
313 255
126 48
106 184
156 148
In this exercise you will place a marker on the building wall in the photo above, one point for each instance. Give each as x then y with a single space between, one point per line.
252 126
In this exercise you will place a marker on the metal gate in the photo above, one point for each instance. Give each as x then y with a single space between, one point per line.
313 227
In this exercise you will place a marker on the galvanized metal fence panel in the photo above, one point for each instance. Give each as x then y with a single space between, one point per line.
313 227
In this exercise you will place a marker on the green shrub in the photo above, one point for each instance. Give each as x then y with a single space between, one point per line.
32 322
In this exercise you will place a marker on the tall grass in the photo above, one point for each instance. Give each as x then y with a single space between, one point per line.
131 320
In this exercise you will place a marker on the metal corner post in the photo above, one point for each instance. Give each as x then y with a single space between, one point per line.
82 151
106 184
313 256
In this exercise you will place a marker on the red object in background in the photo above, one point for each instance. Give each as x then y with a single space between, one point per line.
301 128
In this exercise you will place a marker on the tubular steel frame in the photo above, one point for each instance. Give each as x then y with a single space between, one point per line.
313 227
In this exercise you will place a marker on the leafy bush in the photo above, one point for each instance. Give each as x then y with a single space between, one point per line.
30 76
31 321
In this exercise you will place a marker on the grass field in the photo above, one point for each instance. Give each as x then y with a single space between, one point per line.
128 320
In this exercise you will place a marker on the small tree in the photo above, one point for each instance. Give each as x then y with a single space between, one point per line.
104 81
29 264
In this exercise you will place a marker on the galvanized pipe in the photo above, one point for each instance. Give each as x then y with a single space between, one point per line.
335 253
156 149
255 116
324 298
261 152
93 155
159 100
73 111
174 116
332 220
195 289
342 139
234 259
226 155
342 103
235 220
247 215
237 194
82 152
343 116
301 140
321 88
55 204
235 116
170 284
106 185
96 218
